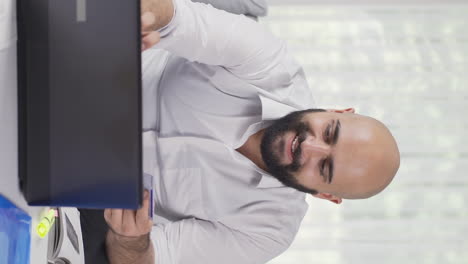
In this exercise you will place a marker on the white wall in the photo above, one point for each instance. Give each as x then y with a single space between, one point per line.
406 66
365 2
8 105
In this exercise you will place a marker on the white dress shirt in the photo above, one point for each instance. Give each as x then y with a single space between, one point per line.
222 78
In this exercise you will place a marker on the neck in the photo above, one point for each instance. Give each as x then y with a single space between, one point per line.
251 149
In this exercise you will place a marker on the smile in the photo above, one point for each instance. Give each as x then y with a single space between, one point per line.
292 146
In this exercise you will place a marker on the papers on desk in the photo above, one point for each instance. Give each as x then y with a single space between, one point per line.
15 234
65 239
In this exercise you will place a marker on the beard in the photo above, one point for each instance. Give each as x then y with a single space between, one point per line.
273 146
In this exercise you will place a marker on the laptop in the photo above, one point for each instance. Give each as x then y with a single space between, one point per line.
79 103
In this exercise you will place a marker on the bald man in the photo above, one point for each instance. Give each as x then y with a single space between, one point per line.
331 154
230 127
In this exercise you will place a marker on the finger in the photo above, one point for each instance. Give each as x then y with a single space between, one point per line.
145 33
142 216
144 221
147 21
116 218
129 227
107 215
150 40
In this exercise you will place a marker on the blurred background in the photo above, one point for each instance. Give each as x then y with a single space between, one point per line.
405 63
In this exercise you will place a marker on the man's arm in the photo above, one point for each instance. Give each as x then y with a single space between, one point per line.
201 33
128 240
193 241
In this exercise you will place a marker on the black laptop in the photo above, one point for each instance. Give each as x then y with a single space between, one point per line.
79 98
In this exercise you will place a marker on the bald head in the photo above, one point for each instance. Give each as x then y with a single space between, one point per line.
372 159
337 153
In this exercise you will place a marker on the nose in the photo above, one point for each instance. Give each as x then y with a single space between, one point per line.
315 147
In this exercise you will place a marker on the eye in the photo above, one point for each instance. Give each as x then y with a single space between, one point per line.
327 136
322 169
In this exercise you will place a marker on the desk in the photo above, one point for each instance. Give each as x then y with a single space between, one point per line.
9 129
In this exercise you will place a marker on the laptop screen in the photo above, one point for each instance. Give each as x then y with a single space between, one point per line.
79 78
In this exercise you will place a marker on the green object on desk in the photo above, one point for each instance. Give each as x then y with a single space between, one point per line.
46 223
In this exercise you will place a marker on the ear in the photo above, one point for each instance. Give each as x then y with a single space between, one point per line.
329 197
341 111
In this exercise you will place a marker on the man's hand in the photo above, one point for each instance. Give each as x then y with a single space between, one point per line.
130 223
155 14
128 238
149 37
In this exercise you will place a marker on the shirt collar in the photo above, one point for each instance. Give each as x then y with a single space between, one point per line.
268 181
272 109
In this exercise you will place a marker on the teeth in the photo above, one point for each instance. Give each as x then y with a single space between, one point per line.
293 145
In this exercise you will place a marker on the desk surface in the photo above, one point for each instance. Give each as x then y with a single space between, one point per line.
8 126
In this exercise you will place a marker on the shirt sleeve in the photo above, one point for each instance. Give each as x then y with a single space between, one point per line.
201 33
197 241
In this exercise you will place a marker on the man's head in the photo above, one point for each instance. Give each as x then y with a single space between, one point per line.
331 154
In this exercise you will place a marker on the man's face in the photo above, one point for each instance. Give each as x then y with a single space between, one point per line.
343 154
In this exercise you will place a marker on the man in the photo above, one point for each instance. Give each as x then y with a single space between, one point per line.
232 127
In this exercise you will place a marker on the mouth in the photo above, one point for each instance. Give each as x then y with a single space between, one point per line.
292 146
